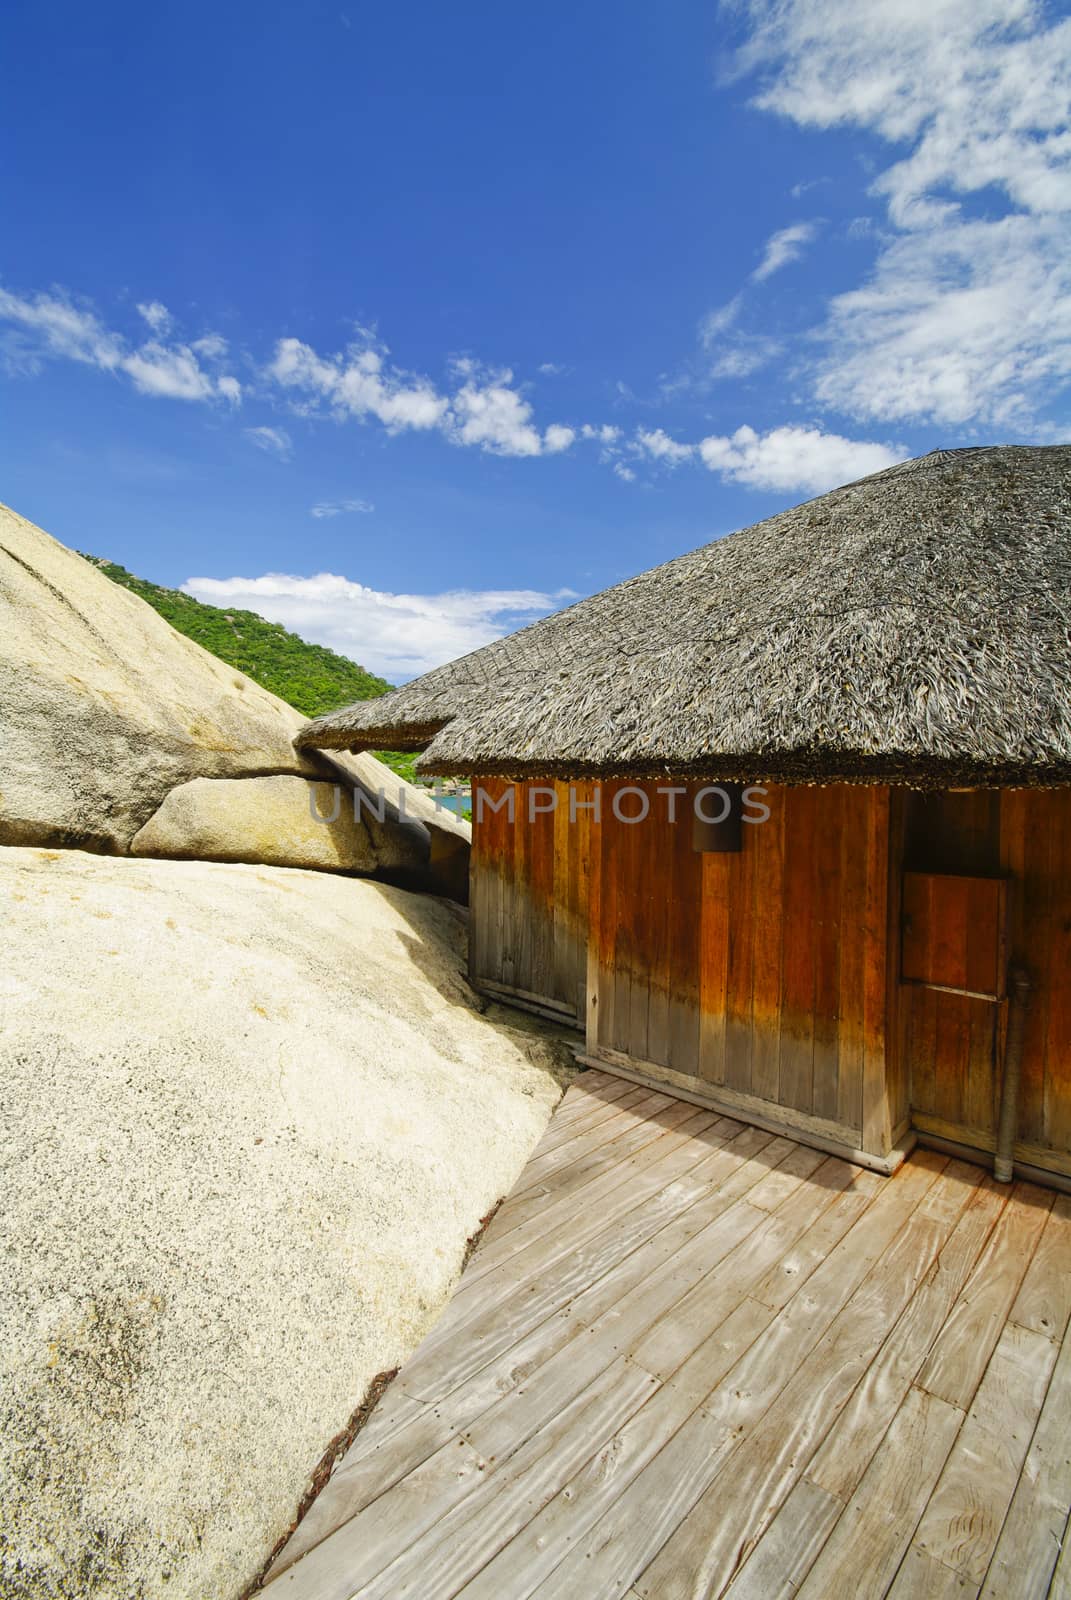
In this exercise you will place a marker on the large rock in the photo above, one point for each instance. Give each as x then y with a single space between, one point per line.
250 1118
105 710
281 822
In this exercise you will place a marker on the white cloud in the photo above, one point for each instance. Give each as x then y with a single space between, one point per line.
957 324
604 432
173 373
338 508
358 384
276 441
53 326
625 473
657 444
965 317
550 369
980 87
156 315
734 353
720 320
485 411
784 247
213 346
798 190
558 438
396 635
744 354
791 458
495 417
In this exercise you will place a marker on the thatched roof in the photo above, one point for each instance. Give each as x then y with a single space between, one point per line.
912 627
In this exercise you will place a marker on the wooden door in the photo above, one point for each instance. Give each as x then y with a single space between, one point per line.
953 962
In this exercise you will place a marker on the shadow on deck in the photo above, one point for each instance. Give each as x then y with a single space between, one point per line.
693 1359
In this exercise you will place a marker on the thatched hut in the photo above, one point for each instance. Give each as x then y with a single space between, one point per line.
890 664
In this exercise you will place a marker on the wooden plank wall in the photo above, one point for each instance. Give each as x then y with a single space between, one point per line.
528 898
771 976
951 1044
761 974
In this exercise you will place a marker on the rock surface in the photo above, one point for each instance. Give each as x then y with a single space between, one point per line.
271 821
105 710
250 1118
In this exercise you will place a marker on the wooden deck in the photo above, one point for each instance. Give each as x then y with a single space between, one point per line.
694 1359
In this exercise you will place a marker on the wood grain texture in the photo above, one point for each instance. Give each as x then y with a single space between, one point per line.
697 1373
860 1559
779 947
952 1045
775 972
1032 1537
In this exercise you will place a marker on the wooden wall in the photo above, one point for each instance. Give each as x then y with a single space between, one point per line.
759 976
769 980
528 899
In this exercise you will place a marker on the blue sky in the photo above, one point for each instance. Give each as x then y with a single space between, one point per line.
401 325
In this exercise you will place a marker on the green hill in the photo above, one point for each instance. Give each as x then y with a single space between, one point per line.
310 677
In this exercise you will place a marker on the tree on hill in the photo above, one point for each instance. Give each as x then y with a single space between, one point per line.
310 677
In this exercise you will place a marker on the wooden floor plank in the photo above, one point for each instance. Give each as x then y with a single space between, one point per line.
663 1465
616 1161
846 1453
922 1578
692 1359
706 1305
531 1292
1031 1539
559 1225
589 1086
1044 1300
781 1282
745 1491
609 1164
383 1550
461 1543
955 1365
612 1306
557 1148
1060 1588
860 1558
788 1549
966 1511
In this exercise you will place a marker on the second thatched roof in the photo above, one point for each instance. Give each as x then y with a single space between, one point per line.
912 627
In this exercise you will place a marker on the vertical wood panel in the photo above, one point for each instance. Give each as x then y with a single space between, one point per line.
528 910
877 1117
855 801
739 875
796 1072
640 863
563 953
684 948
767 842
591 861
659 864
714 967
1057 978
738 956
830 889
